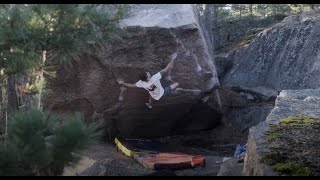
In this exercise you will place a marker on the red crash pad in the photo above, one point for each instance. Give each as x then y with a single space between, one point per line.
169 160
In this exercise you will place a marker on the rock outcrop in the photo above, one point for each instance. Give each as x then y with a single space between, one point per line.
227 32
154 32
231 167
288 103
285 56
245 107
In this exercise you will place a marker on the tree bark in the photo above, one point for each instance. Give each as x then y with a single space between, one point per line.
12 94
44 57
215 9
215 20
312 7
24 98
2 123
12 104
1 99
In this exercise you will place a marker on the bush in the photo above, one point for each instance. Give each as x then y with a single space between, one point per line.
40 143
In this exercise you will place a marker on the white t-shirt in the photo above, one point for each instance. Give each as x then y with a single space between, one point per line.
153 86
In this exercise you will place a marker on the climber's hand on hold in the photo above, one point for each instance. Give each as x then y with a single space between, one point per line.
121 82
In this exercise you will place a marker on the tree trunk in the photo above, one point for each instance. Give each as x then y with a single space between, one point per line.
44 57
25 102
301 8
312 7
240 12
12 104
1 99
250 9
215 9
215 29
12 94
2 118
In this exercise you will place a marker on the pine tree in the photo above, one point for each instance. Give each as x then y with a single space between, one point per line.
39 36
40 143
35 39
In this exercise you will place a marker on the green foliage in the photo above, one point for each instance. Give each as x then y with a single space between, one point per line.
71 136
16 51
28 131
232 11
299 119
272 158
292 169
69 30
273 133
9 160
238 9
40 37
40 143
16 62
279 9
64 31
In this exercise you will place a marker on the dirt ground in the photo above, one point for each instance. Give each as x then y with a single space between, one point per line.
213 144
115 162
220 141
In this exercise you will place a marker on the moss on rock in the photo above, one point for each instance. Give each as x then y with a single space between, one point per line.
299 119
291 169
294 146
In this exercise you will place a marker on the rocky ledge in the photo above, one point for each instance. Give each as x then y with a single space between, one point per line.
288 103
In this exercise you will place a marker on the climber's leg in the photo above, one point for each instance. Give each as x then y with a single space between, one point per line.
169 89
174 86
149 104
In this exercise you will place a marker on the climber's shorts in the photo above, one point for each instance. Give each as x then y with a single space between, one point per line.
167 90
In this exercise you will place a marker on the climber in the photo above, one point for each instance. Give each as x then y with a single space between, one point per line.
153 85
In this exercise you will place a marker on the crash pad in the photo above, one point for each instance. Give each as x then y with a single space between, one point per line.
156 155
130 147
170 160
121 147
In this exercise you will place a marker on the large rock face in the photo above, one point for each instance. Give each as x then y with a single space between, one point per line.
285 56
288 103
154 32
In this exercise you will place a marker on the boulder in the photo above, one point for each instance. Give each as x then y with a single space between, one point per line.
153 34
284 56
231 167
288 103
244 107
244 118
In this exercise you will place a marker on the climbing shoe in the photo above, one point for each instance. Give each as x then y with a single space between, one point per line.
148 105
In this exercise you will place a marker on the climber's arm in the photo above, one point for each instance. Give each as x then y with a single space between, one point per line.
127 84
170 64
167 68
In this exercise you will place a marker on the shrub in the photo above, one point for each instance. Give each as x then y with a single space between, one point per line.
40 143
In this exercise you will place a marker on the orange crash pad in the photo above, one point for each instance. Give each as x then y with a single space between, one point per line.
169 160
